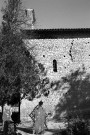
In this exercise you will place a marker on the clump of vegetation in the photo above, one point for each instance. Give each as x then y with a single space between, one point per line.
78 126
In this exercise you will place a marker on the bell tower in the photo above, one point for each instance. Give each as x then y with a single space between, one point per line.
30 18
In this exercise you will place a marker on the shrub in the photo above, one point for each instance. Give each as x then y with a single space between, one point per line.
9 128
77 126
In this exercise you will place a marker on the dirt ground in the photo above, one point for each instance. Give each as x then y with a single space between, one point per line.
26 128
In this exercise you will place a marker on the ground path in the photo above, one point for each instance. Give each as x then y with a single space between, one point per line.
26 129
29 131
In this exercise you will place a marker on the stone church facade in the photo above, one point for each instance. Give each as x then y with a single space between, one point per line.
60 51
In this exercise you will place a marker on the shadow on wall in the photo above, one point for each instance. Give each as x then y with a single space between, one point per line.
76 101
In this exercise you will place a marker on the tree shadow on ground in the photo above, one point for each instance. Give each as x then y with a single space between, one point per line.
30 130
26 130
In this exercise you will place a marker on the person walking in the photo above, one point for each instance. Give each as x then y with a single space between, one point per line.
38 115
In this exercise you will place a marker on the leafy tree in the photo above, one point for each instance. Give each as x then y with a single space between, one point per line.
76 100
18 68
17 65
13 16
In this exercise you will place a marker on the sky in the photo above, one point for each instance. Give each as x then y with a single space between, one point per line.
59 13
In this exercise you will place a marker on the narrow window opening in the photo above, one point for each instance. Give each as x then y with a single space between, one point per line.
54 65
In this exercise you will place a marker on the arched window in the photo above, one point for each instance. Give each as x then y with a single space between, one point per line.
54 65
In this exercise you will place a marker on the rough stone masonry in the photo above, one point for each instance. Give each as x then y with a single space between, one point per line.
68 49
70 54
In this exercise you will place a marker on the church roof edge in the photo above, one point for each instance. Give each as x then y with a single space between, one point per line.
56 33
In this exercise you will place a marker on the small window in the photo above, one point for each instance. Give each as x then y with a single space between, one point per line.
54 65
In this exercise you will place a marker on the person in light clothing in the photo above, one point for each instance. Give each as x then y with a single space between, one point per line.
38 115
7 112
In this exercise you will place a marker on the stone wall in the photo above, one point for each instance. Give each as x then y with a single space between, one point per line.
70 54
